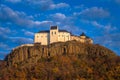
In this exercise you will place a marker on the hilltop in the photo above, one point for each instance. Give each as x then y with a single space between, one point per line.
70 60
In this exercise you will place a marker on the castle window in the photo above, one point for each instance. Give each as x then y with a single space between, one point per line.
55 32
37 36
52 33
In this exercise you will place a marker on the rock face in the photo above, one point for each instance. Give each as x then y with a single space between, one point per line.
70 60
31 54
2 64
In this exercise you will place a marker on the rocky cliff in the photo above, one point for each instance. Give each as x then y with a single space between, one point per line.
31 54
61 61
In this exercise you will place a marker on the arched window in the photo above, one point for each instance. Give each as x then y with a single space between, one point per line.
52 33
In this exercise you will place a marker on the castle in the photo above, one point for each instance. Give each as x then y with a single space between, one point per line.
55 35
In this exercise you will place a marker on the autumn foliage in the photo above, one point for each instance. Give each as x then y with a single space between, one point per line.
97 64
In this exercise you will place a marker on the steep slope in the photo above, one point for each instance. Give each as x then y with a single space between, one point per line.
62 61
2 64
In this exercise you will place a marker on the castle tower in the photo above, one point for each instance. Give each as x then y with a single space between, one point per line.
83 36
53 34
85 39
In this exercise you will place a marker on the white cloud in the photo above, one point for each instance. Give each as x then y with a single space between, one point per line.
117 1
3 46
27 33
58 16
104 28
64 22
57 6
13 1
21 40
45 4
4 30
108 35
42 22
110 40
20 18
92 13
107 28
95 23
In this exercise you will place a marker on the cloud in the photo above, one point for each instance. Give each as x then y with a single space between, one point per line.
7 14
61 19
4 30
21 40
108 35
13 1
117 1
107 28
110 40
92 13
95 23
19 18
42 4
47 4
64 22
59 5
58 16
4 46
42 23
28 33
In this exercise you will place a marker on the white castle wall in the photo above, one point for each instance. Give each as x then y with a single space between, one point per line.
63 36
55 35
42 38
74 38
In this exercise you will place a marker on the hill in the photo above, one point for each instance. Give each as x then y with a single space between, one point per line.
61 61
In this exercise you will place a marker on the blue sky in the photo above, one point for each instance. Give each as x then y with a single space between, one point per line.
20 19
